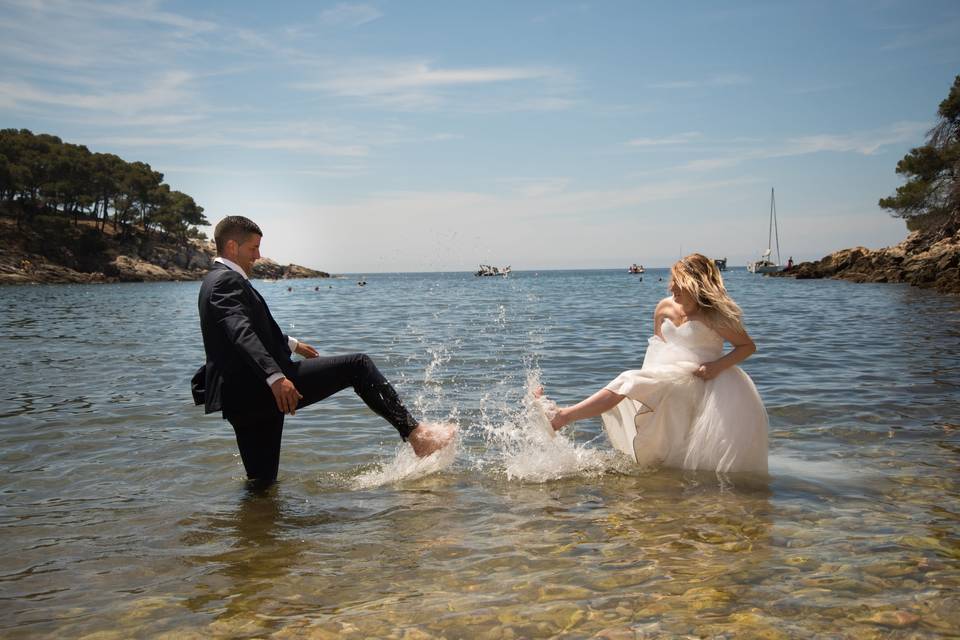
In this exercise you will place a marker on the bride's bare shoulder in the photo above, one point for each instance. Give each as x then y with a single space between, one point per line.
665 306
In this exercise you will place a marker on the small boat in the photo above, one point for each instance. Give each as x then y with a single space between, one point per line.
487 270
636 268
721 263
765 264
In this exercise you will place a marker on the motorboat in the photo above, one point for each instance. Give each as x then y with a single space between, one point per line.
488 270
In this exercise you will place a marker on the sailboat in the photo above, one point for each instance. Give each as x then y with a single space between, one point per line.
765 264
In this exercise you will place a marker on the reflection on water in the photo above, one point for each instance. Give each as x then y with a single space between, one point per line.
124 511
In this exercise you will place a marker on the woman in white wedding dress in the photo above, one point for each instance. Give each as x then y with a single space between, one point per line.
690 406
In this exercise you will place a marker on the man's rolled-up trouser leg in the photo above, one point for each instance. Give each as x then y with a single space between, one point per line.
319 378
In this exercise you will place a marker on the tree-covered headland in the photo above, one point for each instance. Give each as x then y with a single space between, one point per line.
41 175
72 215
929 201
931 194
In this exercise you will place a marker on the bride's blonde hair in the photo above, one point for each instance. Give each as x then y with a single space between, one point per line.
699 276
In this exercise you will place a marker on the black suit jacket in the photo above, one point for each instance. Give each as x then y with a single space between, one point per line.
243 342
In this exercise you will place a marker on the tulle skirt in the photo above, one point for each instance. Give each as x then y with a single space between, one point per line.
671 418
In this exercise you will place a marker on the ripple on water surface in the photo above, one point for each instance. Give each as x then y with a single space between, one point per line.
124 510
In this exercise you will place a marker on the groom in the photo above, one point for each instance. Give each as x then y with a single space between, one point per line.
249 375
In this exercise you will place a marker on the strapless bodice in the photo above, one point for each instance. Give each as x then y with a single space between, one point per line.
702 343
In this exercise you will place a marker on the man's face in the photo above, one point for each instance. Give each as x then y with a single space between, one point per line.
248 252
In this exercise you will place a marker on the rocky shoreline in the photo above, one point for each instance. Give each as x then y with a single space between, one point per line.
928 258
84 257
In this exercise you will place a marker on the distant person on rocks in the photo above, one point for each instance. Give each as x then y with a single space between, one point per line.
249 375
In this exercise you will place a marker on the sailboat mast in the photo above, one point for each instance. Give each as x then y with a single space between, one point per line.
770 232
776 232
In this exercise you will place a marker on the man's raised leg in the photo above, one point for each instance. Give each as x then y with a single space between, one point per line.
321 377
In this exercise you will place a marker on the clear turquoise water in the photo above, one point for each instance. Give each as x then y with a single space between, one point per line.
124 511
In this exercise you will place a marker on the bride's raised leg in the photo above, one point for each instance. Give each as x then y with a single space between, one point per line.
601 401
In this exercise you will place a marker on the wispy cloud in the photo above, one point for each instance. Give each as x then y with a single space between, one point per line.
534 199
352 15
78 34
144 11
864 143
720 80
562 11
821 88
332 171
133 10
157 93
381 77
537 187
421 84
293 144
944 31
542 103
680 138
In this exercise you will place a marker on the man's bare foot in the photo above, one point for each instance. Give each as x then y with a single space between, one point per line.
430 437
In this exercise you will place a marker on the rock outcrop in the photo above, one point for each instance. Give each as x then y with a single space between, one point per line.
270 270
67 254
928 259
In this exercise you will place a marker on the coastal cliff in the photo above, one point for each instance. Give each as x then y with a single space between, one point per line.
927 258
59 252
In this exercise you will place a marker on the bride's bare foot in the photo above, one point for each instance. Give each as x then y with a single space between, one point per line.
430 437
559 420
555 414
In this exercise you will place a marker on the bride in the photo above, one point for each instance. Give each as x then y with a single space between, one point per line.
690 406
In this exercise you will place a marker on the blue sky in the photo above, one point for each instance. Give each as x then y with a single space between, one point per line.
423 136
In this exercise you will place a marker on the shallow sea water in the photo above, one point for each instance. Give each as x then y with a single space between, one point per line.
125 512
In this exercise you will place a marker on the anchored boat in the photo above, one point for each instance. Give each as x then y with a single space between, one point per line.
487 270
765 264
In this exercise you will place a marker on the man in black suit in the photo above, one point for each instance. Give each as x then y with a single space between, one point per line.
249 375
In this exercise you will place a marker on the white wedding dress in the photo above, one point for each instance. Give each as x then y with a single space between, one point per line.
671 418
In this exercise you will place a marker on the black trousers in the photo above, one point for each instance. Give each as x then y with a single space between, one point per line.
259 431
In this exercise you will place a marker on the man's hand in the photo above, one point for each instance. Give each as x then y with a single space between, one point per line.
306 350
286 395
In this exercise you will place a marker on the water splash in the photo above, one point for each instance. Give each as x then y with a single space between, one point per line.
406 466
527 449
507 433
511 439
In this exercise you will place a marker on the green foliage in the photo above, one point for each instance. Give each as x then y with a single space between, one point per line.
927 221
41 174
932 189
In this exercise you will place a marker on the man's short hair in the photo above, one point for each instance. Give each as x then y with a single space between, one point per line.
235 228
